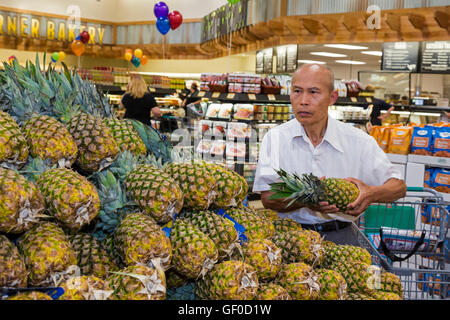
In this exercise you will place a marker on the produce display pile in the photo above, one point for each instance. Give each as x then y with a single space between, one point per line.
97 206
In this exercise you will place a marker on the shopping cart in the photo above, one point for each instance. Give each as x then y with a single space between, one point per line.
410 238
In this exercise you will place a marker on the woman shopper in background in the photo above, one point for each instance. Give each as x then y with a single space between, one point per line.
138 102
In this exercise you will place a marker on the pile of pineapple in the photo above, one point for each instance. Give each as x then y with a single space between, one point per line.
95 205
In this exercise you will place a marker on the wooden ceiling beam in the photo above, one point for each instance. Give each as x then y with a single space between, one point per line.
313 26
442 18
417 20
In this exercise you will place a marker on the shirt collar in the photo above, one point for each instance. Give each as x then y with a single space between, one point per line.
331 134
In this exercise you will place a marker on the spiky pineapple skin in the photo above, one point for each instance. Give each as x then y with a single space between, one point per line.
140 240
49 139
269 214
97 148
13 273
33 295
220 230
46 250
93 258
300 280
138 283
340 192
299 246
229 280
70 197
126 136
21 202
156 192
286 224
13 144
85 288
264 256
272 291
197 184
390 282
255 226
194 253
332 285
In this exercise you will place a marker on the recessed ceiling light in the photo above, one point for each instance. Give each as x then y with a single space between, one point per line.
373 53
311 61
350 62
345 46
329 54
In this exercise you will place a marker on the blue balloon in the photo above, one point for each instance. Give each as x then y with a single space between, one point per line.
163 25
78 38
136 62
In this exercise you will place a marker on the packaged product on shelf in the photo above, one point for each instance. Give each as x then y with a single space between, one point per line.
441 143
430 282
204 146
428 175
243 111
422 141
218 148
204 126
431 213
213 110
400 140
238 130
440 180
219 128
235 149
225 111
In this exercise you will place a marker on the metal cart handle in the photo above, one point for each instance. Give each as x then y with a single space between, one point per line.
395 258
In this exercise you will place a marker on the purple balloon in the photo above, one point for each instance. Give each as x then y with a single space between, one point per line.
161 10
163 25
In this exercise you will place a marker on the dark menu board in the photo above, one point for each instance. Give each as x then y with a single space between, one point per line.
260 62
435 57
281 59
292 58
400 56
268 60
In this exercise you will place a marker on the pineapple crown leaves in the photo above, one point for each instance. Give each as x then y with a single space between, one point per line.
35 167
305 189
124 164
154 142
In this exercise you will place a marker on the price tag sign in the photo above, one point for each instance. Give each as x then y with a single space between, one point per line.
369 100
201 94
231 96
271 97
178 90
216 94
152 90
251 96
353 99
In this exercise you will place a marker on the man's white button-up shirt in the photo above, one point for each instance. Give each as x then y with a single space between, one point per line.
344 152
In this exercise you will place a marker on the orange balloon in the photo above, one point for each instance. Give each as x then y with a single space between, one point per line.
128 56
138 53
144 60
78 47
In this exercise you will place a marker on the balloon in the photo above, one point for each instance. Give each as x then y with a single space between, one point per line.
144 60
163 25
176 19
138 53
55 56
129 50
128 56
161 10
78 38
62 55
78 47
11 59
136 62
85 36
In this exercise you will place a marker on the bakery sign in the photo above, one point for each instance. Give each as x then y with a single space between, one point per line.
50 28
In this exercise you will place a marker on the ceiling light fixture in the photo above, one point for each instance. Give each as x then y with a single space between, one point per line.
311 61
373 53
350 62
345 46
329 54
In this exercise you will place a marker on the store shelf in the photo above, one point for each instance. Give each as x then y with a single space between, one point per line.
430 160
244 97
397 158
121 90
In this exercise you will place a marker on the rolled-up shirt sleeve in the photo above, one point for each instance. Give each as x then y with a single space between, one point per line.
267 163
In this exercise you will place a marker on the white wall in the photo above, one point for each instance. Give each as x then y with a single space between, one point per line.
118 10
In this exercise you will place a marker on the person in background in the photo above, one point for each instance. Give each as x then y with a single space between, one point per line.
138 102
190 99
376 118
